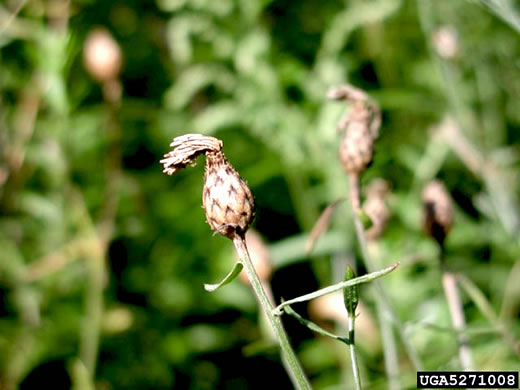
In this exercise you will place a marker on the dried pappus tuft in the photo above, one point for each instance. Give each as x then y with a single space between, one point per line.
226 197
438 210
186 149
347 93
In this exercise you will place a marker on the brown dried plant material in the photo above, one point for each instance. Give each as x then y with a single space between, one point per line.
359 127
321 225
376 208
438 210
226 197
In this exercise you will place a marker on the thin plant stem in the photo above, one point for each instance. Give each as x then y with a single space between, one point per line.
296 371
387 333
449 283
389 350
355 201
352 348
482 303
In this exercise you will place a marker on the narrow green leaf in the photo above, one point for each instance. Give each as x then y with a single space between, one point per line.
321 225
314 327
335 287
229 277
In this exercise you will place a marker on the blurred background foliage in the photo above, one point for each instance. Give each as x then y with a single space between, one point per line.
103 257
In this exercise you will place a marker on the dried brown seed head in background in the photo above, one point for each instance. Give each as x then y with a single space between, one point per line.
226 197
357 146
438 210
359 127
376 208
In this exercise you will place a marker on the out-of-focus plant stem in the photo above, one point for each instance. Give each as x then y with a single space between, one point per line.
487 311
296 371
382 297
449 284
97 275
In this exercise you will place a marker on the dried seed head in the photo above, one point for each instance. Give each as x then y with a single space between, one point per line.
376 208
259 253
359 127
357 146
226 198
102 55
438 210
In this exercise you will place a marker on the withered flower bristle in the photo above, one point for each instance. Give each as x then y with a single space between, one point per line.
346 92
226 198
438 210
186 149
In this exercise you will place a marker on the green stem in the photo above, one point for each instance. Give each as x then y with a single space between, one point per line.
296 371
355 201
352 347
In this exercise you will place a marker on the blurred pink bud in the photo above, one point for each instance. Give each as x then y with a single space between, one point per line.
446 42
102 55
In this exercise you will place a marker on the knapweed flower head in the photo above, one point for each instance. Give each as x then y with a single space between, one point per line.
226 197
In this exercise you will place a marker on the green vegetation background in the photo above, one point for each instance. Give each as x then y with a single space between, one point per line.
103 257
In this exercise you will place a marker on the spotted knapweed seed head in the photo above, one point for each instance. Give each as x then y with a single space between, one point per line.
226 197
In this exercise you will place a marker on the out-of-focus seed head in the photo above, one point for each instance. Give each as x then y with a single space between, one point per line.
226 197
376 208
102 55
446 42
438 210
259 253
359 128
357 146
